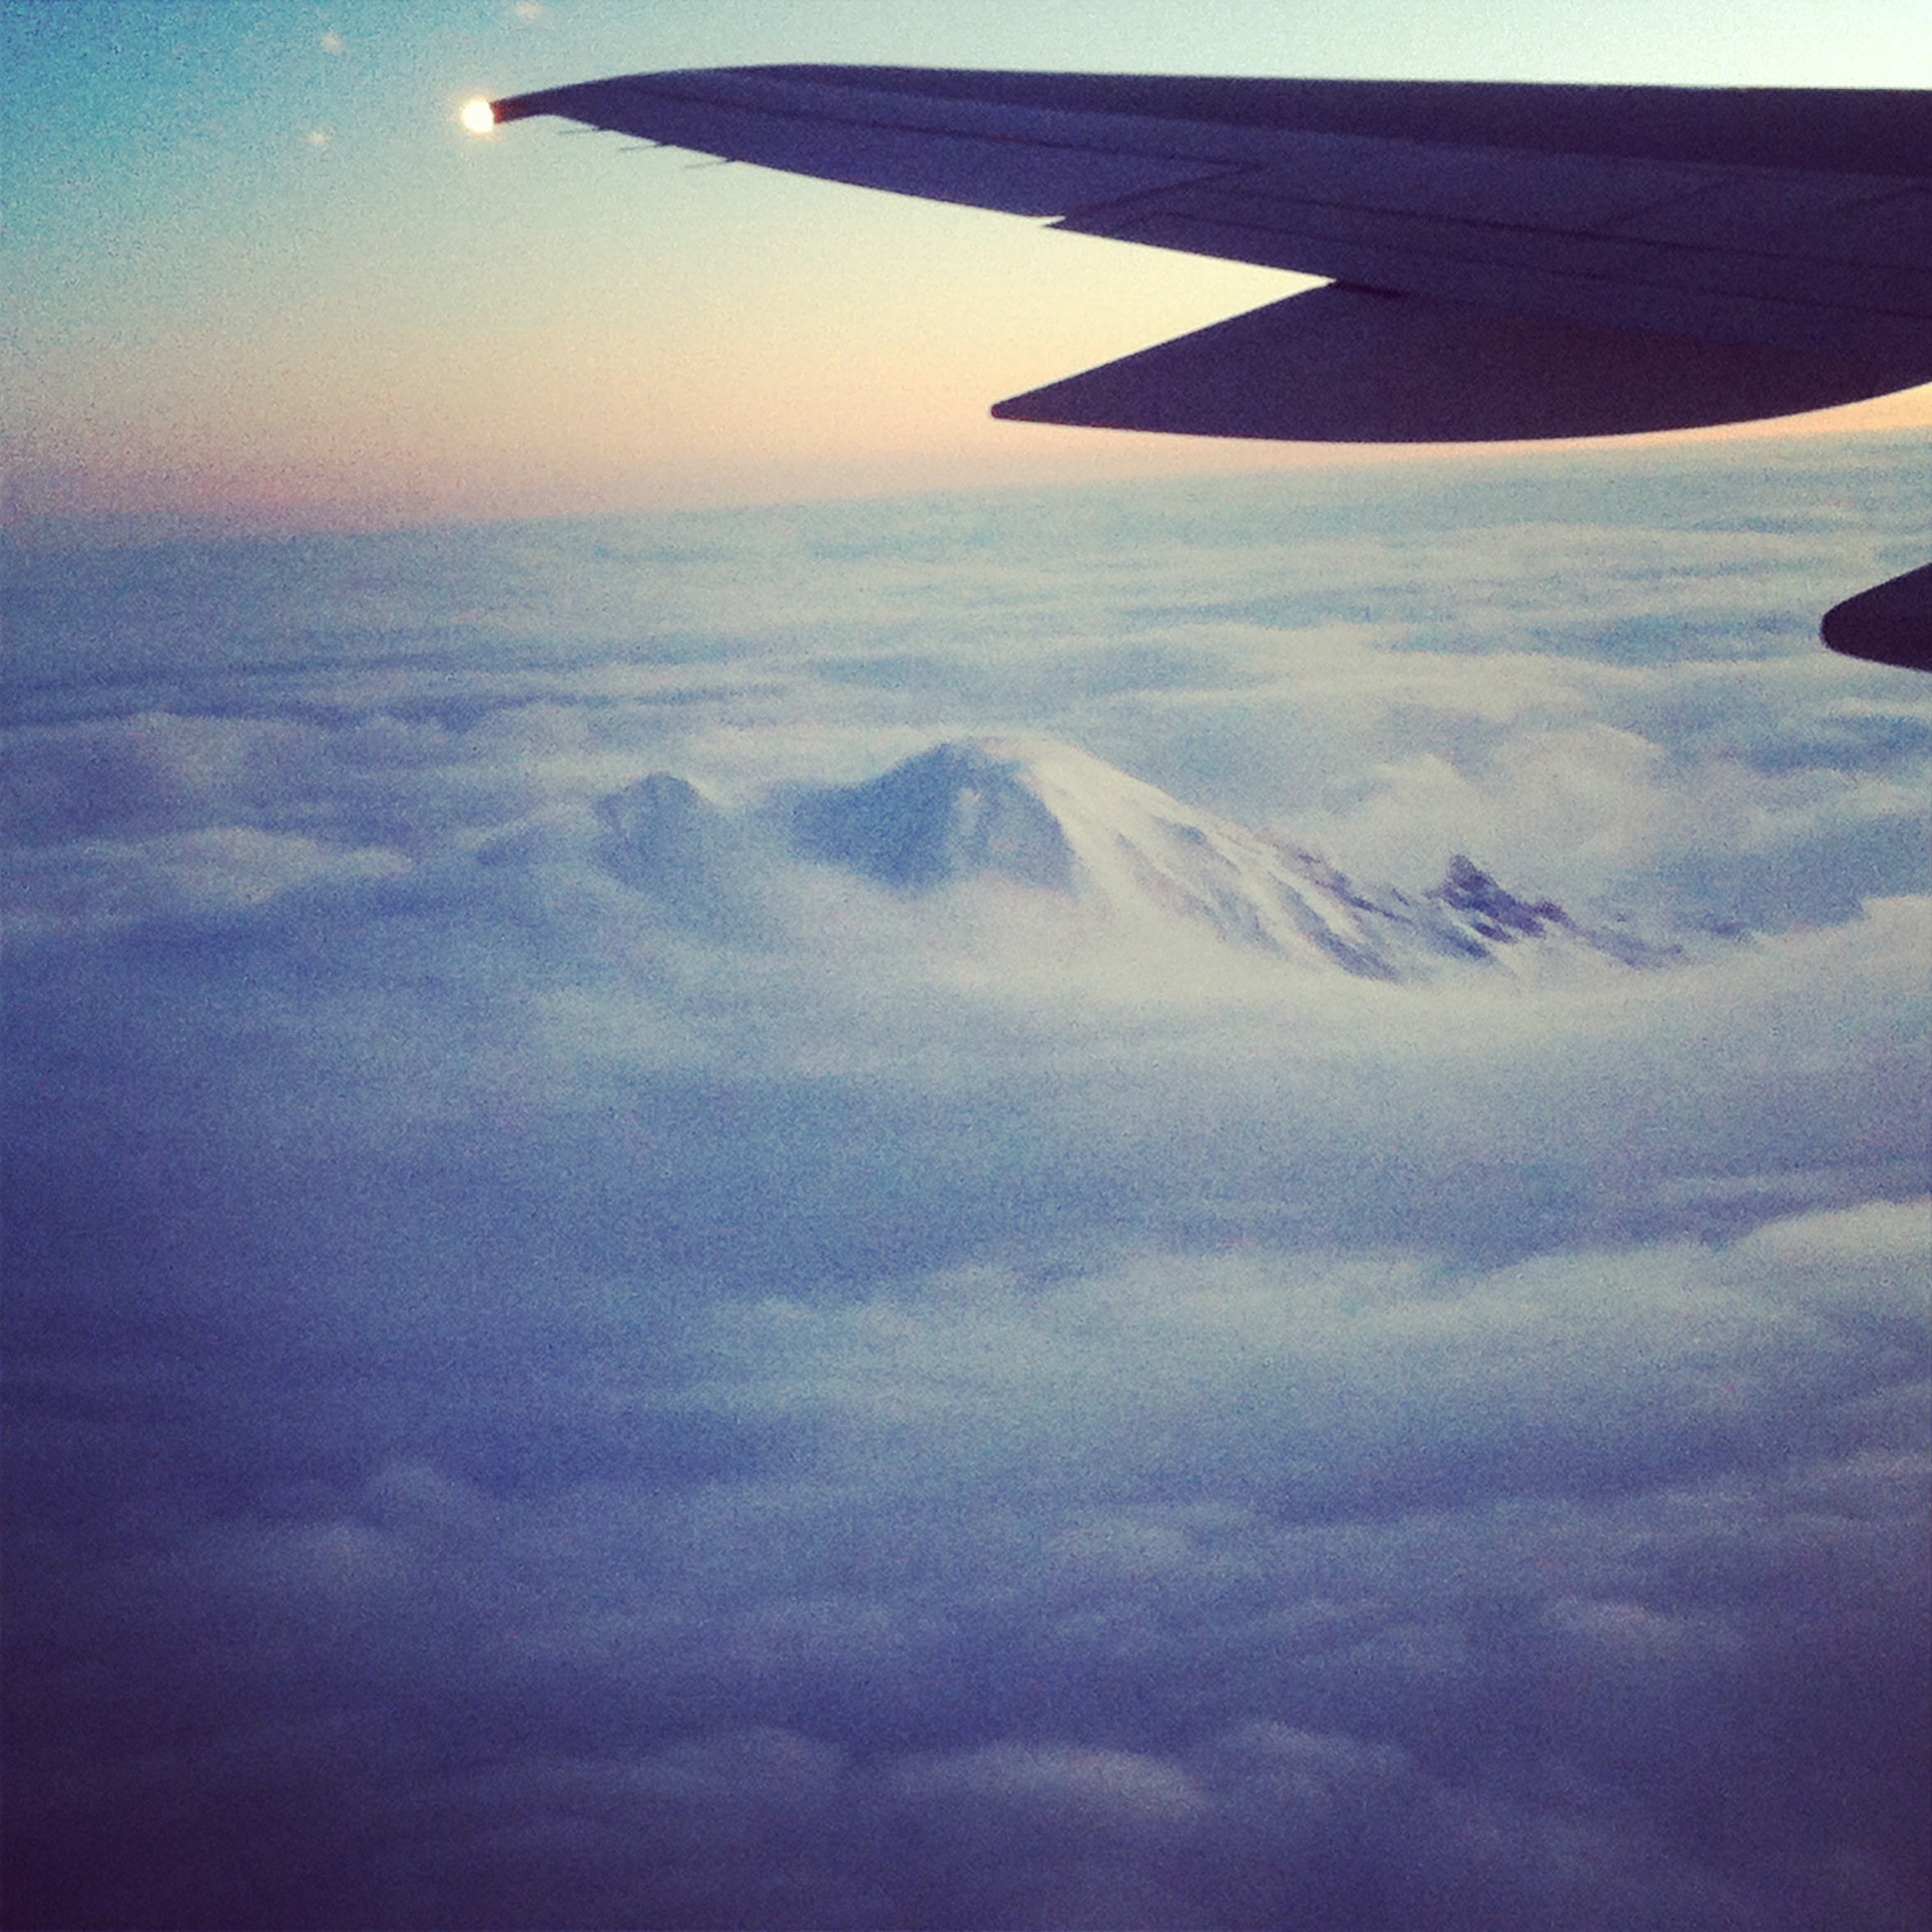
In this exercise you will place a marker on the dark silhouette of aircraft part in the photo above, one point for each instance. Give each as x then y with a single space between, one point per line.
1890 624
1359 365
1505 262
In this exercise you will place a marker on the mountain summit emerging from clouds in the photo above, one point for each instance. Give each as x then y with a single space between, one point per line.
1042 816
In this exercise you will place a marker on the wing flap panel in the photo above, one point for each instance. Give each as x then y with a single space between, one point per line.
1469 183
1344 364
1619 281
1858 221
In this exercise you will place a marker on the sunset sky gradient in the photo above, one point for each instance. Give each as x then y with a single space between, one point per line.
260 276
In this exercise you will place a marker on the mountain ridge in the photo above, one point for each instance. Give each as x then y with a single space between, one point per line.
1055 820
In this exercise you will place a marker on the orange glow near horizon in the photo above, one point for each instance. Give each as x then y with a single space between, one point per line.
323 428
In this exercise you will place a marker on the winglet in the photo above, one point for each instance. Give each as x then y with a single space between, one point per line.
1889 624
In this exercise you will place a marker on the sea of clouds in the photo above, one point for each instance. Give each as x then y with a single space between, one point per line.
538 1403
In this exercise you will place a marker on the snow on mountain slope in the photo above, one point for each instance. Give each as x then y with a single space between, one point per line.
1048 818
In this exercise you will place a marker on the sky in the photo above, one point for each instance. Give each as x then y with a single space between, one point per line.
257 276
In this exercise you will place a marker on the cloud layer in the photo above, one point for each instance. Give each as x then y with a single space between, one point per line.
827 1406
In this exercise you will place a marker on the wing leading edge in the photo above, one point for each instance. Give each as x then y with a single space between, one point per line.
1506 261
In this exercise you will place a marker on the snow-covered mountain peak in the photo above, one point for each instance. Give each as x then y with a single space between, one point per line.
969 806
1132 860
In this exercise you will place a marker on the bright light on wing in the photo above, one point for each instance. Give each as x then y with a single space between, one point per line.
478 116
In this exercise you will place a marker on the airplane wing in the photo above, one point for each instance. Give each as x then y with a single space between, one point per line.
1504 261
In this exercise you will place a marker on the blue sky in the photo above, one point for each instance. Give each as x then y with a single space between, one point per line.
259 279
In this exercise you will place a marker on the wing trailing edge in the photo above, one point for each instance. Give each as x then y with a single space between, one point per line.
1358 366
1505 261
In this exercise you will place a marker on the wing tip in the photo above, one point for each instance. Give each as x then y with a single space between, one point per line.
521 107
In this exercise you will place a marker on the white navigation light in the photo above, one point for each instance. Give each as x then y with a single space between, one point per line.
478 116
